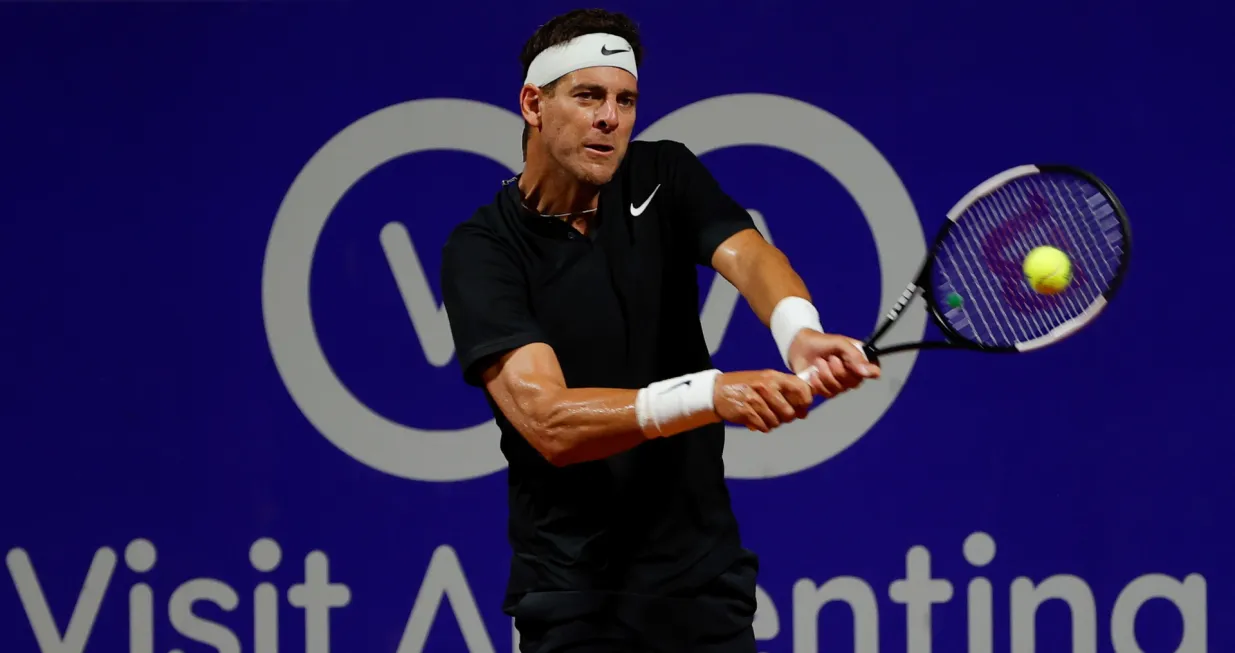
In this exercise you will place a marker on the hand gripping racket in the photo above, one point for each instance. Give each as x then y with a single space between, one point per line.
972 278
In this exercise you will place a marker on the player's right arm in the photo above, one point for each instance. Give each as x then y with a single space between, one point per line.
500 347
571 425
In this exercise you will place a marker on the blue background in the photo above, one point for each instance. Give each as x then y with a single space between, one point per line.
146 149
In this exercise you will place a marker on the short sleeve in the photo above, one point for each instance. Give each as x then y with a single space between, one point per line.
708 215
486 298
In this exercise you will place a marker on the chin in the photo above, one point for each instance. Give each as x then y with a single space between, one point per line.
596 175
596 179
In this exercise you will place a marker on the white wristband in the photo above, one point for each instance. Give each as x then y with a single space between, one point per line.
792 314
675 405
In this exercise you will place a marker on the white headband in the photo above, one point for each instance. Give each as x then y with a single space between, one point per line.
581 52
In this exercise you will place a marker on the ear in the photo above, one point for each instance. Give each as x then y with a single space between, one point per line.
529 104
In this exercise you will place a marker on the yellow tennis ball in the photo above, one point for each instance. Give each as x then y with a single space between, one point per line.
1048 270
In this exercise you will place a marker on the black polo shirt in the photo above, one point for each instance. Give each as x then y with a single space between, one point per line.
620 308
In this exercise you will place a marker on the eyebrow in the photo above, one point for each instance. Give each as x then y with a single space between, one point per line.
599 88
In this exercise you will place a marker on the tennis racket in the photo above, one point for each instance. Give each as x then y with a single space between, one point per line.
972 280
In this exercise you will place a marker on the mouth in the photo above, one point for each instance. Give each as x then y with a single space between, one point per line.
599 149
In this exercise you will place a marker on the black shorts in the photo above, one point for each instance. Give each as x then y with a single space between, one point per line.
716 618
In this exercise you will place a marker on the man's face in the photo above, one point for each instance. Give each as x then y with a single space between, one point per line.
587 122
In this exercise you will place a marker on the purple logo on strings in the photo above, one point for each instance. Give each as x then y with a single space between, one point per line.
1032 223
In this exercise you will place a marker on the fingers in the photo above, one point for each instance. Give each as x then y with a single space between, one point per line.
764 416
855 359
774 398
844 375
816 381
845 369
763 401
753 420
829 386
738 401
801 395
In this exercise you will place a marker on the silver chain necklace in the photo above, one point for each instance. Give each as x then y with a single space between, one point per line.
546 215
558 215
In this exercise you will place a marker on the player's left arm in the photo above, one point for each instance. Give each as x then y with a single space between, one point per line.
760 272
778 296
724 237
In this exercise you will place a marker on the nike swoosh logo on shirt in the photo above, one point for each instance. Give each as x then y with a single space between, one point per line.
636 210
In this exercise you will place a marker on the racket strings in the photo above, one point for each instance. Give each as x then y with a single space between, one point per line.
980 258
1050 314
1009 234
1078 244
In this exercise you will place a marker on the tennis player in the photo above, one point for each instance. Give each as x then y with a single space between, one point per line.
573 303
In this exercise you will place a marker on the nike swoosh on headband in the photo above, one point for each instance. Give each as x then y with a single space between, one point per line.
606 51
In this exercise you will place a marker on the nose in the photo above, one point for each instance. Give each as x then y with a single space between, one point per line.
606 118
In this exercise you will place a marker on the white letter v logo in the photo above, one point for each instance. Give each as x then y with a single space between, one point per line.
85 612
428 319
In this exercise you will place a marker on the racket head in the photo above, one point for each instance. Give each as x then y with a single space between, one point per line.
978 254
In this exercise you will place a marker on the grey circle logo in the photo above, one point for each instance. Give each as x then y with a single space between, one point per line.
482 129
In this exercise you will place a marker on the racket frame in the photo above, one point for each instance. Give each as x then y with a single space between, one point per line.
924 282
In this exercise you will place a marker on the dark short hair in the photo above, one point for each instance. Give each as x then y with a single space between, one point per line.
571 25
